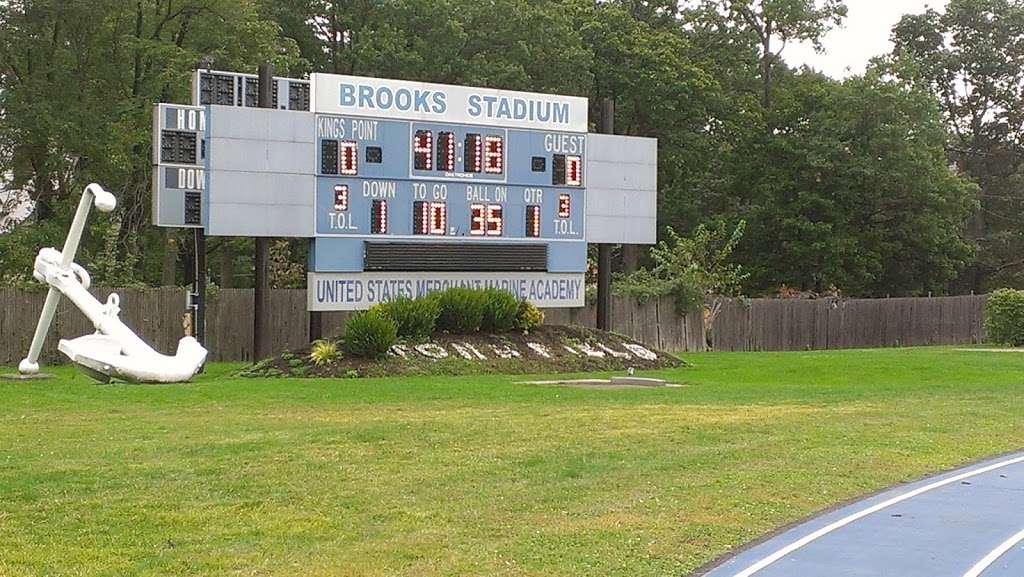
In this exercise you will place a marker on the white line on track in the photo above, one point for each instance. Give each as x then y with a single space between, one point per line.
749 571
996 553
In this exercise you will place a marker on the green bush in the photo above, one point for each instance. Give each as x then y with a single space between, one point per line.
415 318
1004 317
528 316
500 310
462 310
370 334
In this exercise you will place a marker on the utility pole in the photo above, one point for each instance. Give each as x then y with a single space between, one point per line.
262 285
199 285
604 251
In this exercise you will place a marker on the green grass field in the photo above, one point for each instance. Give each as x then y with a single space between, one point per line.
475 475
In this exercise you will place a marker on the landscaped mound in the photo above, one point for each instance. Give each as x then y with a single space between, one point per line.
545 349
460 330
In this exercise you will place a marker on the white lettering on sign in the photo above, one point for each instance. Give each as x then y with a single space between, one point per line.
563 227
533 195
486 193
563 143
190 120
378 189
191 178
361 290
327 127
342 221
364 129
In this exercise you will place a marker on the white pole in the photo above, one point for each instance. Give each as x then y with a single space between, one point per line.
105 202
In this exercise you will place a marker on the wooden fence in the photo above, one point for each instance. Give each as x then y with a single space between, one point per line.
788 325
742 325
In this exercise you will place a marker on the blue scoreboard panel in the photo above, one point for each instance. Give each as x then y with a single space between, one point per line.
413 179
446 186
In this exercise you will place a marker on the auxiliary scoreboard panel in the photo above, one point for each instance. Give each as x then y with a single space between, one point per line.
403 187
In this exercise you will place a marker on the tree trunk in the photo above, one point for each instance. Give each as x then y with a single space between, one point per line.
766 65
227 264
169 270
630 258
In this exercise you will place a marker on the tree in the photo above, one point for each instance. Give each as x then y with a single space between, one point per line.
972 59
784 21
853 190
78 80
696 271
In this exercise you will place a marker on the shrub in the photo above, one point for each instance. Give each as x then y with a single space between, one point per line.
370 334
462 310
528 316
1004 317
324 352
415 318
500 310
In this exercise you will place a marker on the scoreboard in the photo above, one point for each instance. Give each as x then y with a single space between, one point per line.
433 178
403 187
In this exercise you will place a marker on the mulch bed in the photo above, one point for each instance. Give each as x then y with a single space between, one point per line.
568 350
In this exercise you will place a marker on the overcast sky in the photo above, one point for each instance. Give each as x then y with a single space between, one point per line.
864 35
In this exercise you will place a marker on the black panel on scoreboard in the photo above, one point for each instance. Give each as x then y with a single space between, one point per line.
329 157
193 208
447 256
558 170
298 96
217 89
178 147
374 155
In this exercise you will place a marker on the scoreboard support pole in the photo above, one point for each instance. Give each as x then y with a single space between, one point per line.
261 287
199 322
604 251
316 318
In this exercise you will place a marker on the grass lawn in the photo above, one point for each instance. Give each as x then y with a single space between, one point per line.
475 475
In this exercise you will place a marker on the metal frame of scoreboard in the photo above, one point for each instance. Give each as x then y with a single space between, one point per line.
405 187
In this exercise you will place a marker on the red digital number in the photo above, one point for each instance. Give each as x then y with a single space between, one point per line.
477 220
348 157
564 206
495 221
486 220
438 218
446 151
533 220
423 150
573 170
379 217
494 154
340 197
473 153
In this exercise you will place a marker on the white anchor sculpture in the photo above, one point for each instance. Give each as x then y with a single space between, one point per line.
114 351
